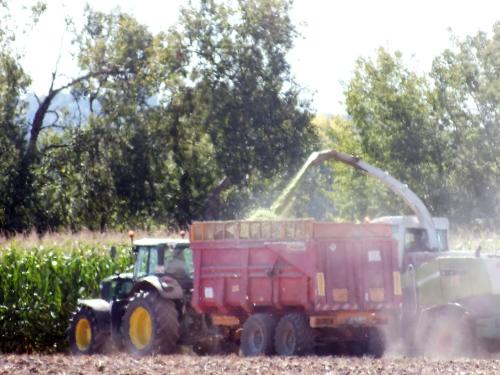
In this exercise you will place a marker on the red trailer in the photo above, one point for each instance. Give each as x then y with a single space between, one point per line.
288 286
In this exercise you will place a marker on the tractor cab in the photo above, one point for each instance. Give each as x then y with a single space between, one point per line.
163 257
412 238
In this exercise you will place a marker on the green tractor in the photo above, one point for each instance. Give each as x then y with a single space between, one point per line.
145 312
90 330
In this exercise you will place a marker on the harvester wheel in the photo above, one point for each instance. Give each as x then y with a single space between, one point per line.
445 334
84 334
293 335
150 324
257 335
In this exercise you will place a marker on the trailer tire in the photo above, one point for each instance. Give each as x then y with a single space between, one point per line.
257 335
84 334
376 343
293 335
150 324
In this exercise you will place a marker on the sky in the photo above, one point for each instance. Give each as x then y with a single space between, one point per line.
334 34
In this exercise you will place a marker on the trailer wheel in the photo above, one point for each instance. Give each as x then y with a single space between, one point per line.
84 334
150 324
293 335
376 343
257 335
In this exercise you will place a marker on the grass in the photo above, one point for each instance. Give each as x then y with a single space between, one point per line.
464 240
70 239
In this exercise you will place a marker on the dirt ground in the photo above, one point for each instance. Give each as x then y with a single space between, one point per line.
188 364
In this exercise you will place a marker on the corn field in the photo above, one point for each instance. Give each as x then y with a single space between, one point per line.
40 286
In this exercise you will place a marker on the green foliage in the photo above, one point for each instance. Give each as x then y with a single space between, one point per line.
39 288
248 100
353 194
392 110
437 133
13 82
467 103
205 121
160 120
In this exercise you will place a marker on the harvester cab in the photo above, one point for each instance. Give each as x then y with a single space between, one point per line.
412 239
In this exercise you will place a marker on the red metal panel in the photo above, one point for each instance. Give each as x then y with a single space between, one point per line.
341 267
349 230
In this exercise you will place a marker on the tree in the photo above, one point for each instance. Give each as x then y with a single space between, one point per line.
467 100
13 82
103 67
13 128
391 108
248 100
157 121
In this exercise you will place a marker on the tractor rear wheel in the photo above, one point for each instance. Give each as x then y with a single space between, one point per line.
150 324
293 335
84 334
257 335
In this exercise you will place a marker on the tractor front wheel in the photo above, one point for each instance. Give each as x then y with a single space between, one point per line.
150 324
84 334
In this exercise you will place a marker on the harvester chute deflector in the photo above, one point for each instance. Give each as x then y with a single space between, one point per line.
410 198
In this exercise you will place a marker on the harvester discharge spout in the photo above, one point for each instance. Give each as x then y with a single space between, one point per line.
402 190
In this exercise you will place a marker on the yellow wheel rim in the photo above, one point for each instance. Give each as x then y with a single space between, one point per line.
140 327
83 334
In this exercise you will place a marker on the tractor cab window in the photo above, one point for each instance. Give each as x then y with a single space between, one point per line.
141 262
147 259
153 260
178 262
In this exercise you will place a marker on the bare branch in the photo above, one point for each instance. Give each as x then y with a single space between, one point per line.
37 123
79 108
92 98
52 81
87 76
54 123
54 126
